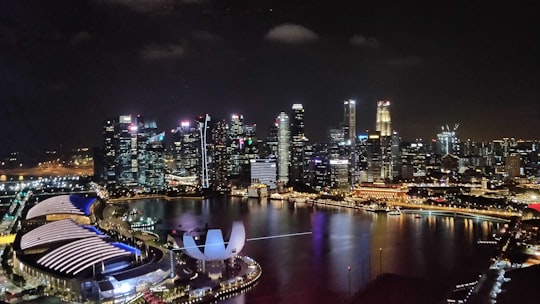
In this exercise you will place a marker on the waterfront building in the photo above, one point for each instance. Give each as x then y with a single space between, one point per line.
298 142
60 247
150 152
264 171
284 151
187 150
319 177
210 249
339 174
381 191
374 157
384 122
349 121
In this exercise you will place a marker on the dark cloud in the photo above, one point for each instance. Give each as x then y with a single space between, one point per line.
155 52
145 6
205 36
362 41
405 62
80 37
291 33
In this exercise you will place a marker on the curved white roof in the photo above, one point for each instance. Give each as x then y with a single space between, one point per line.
61 204
214 247
53 232
75 257
85 246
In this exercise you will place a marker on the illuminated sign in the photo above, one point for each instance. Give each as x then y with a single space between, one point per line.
339 162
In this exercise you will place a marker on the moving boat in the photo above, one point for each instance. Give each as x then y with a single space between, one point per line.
395 211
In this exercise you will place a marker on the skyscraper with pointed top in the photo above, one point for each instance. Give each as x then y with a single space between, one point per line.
384 123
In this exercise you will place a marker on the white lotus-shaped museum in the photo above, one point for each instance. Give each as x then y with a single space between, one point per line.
215 247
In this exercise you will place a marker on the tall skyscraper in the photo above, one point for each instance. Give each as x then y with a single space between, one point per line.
133 153
349 122
150 149
284 143
298 143
374 157
447 141
235 146
187 150
219 178
203 126
383 118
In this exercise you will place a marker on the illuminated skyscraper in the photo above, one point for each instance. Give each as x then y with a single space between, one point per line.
298 143
374 157
383 118
349 122
133 153
235 146
203 126
120 151
447 141
220 157
187 150
150 148
284 143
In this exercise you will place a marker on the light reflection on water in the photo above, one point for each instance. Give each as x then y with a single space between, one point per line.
313 268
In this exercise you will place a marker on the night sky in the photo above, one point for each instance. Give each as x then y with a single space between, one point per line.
66 66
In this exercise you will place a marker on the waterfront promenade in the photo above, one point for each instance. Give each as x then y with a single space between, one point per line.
421 208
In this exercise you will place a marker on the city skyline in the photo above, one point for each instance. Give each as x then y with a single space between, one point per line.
67 66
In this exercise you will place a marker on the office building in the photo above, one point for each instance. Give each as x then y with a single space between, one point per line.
448 141
283 147
264 171
384 123
349 121
218 174
298 142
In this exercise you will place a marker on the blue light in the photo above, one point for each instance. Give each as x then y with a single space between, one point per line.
127 248
83 203
93 229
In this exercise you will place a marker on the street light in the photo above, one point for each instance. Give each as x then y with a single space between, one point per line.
349 269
